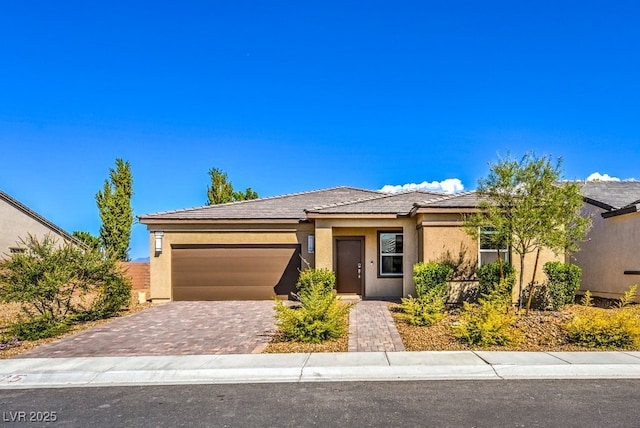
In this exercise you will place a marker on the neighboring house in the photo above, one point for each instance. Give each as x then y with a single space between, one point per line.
254 249
18 221
610 257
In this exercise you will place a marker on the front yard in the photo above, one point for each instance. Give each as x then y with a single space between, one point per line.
540 331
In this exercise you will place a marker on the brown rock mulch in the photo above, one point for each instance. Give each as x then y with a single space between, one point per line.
280 346
542 330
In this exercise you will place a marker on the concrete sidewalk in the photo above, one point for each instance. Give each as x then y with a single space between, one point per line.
22 373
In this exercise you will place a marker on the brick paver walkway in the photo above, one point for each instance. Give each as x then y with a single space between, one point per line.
371 328
176 328
201 328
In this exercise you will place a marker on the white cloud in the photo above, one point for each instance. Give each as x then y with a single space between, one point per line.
450 185
596 176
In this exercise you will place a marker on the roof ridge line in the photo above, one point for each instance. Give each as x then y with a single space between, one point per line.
448 197
355 201
286 195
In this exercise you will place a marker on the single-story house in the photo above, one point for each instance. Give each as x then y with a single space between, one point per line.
610 257
254 249
17 221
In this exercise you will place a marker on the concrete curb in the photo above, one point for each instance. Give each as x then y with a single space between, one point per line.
26 373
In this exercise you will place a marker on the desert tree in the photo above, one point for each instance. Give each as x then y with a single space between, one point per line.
528 207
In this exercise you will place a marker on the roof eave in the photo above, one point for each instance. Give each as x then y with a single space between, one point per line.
314 215
626 210
156 221
598 204
444 210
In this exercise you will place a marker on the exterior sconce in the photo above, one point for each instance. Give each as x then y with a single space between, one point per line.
158 241
311 244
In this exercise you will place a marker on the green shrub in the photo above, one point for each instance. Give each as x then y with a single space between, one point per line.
563 281
628 296
423 311
489 278
431 278
52 281
607 328
37 328
323 276
114 292
490 322
321 316
602 329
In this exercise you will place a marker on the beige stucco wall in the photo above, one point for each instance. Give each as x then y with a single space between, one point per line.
442 233
16 225
440 236
328 229
160 264
546 255
612 246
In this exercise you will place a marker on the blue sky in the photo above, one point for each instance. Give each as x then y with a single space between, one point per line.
288 96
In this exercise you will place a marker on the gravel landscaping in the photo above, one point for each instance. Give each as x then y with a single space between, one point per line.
279 346
542 331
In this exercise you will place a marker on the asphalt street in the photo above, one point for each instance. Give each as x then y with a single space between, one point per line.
514 403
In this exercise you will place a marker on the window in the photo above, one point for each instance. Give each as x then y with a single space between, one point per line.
16 250
391 251
489 246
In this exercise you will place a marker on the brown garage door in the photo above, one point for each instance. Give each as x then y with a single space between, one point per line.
234 272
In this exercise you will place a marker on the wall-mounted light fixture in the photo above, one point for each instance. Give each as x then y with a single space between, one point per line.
311 244
158 240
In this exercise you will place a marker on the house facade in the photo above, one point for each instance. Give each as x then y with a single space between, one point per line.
17 222
254 249
610 256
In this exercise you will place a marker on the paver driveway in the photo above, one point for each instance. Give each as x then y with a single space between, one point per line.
205 328
175 328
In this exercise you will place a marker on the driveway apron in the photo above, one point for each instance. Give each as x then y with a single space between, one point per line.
175 328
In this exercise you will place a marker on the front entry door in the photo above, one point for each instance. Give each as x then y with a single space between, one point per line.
349 265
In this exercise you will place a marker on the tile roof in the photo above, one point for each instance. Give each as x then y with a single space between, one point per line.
285 207
612 195
458 200
387 203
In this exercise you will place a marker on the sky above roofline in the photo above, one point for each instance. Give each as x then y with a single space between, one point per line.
290 96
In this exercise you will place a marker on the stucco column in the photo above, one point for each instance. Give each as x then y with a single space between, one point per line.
410 243
159 271
324 246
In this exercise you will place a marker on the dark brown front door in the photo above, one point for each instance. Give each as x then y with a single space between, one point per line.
349 265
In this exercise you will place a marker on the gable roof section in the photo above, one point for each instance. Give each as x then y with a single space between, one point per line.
285 207
611 195
385 204
34 215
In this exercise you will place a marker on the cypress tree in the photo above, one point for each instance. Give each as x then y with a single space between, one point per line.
114 204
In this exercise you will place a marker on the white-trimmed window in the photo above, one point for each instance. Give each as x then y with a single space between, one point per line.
489 247
390 246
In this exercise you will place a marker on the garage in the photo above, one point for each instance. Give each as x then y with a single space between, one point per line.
234 272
